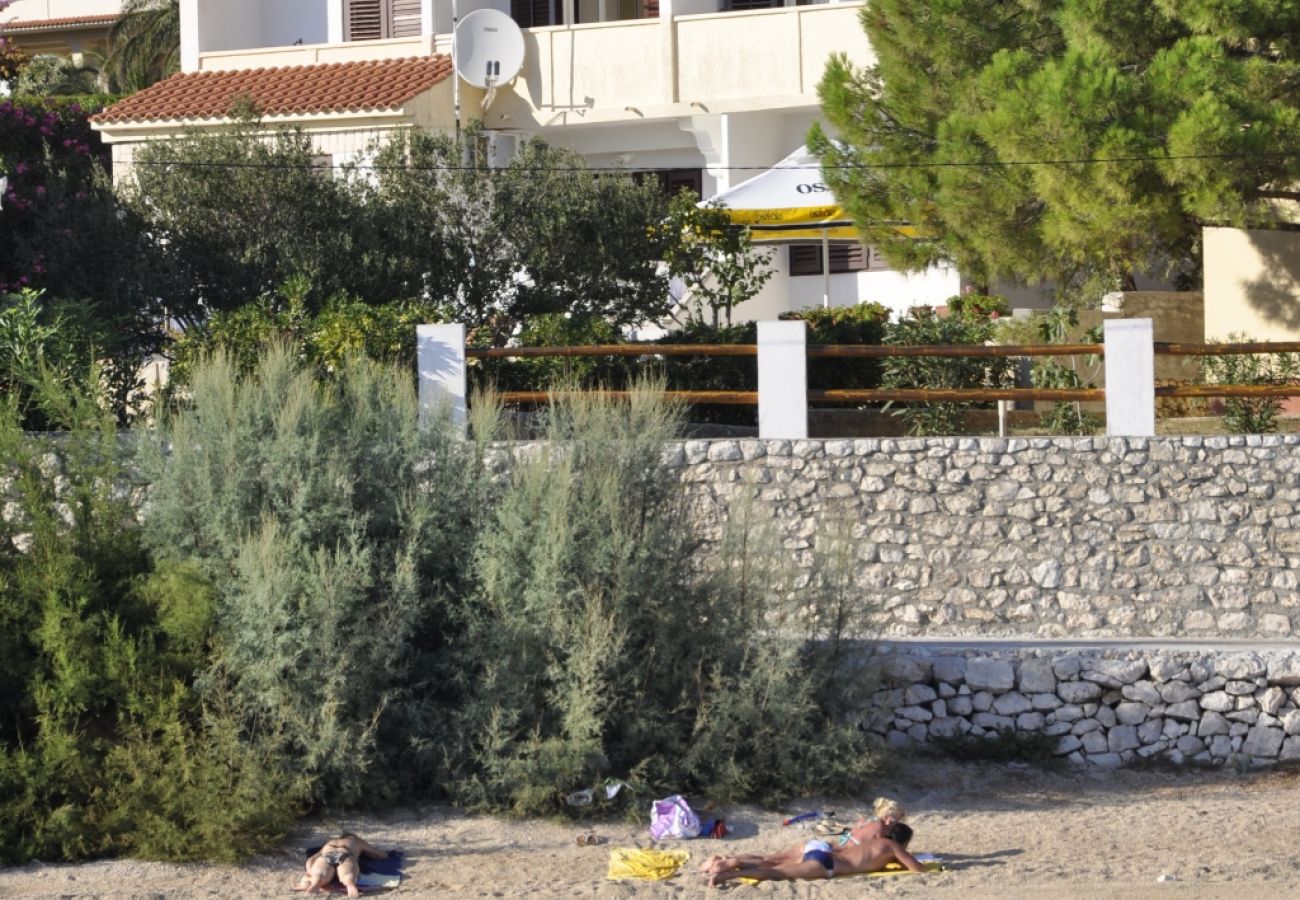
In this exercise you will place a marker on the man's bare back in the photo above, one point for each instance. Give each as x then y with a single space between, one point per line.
873 855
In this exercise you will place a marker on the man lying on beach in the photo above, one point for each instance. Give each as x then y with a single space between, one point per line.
885 812
339 856
818 860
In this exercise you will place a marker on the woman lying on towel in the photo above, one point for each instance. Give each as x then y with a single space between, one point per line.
861 854
340 856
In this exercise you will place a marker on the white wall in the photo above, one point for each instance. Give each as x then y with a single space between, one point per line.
26 10
208 25
288 21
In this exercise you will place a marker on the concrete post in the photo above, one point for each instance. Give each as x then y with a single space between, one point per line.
440 350
1130 378
782 380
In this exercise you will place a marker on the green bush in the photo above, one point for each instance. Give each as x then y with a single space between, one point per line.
101 730
558 330
1250 415
614 647
967 323
335 533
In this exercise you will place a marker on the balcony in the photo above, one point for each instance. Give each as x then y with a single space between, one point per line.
632 70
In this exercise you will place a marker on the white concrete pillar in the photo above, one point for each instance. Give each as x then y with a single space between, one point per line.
190 13
440 350
1130 377
782 380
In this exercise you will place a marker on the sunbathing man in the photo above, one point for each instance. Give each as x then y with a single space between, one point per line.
885 812
339 856
856 857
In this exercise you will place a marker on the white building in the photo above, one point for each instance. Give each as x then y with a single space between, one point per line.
706 93
60 27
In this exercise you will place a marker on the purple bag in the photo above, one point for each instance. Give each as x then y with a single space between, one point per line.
672 817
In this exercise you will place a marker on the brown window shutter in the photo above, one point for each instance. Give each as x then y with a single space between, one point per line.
742 5
533 13
406 18
363 20
650 9
876 262
848 257
805 259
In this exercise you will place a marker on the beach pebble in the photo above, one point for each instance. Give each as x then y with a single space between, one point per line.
1167 877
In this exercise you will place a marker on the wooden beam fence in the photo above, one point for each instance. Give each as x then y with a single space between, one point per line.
1129 371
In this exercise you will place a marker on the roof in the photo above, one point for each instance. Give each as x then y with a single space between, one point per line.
68 23
375 85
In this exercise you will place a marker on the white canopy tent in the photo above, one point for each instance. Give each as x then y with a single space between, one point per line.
791 202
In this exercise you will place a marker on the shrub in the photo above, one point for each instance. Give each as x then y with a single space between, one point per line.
1251 415
965 324
335 535
101 732
864 323
617 647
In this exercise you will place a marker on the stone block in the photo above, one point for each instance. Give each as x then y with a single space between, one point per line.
960 706
1030 721
992 722
1067 744
1037 676
1151 731
1263 742
1240 666
1240 688
1220 746
1105 760
915 713
1078 691
952 669
1212 723
1142 692
1177 692
1290 748
990 674
1284 670
1249 716
918 733
940 709
1218 701
1094 742
1165 668
1188 711
919 693
1121 738
1291 722
1132 713
1114 673
1070 713
1067 667
982 701
946 690
947 728
1056 729
1012 704
1085 726
1190 746
1270 700
1045 702
906 669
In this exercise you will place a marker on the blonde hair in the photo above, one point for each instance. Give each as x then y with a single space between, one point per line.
887 807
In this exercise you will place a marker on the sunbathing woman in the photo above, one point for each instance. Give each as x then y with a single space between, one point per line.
885 812
339 856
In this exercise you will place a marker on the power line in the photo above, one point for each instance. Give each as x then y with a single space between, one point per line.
977 164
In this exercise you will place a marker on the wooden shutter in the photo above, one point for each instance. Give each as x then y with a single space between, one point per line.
406 18
741 5
848 257
650 9
363 20
533 13
805 259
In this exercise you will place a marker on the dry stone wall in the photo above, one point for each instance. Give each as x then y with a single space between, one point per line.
1044 537
1051 556
1104 707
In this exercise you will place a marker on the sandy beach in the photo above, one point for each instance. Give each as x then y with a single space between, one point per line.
1004 830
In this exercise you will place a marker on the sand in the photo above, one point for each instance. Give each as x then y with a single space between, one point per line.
1005 830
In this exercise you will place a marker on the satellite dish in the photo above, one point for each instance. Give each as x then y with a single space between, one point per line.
489 48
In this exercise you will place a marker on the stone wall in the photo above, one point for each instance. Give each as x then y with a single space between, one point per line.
1101 707
1041 537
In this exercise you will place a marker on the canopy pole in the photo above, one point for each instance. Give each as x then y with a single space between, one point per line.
826 269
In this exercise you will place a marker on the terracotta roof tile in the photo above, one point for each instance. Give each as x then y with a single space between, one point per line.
330 87
63 24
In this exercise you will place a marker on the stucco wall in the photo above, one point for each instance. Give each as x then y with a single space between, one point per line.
1252 283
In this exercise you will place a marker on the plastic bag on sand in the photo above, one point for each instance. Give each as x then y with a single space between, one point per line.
672 817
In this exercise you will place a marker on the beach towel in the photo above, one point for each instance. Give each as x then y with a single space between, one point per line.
650 865
931 863
376 874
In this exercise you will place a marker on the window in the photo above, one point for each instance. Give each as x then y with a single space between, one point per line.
537 13
372 20
742 5
846 256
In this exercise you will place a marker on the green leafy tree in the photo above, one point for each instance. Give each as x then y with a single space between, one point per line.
56 76
716 259
1034 140
497 246
144 45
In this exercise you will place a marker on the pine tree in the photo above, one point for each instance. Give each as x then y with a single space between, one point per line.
988 126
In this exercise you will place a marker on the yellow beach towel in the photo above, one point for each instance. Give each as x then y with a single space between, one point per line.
931 865
652 865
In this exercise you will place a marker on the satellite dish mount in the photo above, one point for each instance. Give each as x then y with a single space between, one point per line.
488 50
